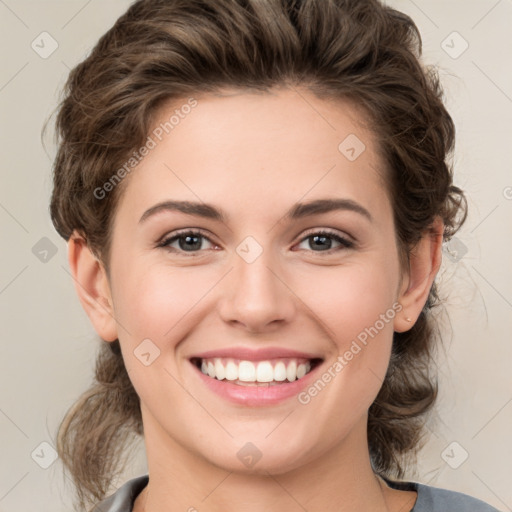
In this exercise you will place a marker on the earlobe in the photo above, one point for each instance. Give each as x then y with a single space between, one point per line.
424 263
92 287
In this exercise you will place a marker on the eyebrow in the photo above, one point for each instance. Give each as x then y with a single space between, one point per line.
297 211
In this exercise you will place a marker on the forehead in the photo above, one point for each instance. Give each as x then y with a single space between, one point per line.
241 147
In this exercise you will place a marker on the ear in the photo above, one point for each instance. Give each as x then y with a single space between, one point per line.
92 287
424 263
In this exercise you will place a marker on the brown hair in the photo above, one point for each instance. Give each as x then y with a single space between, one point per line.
158 50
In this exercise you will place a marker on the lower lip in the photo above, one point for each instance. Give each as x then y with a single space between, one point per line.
256 396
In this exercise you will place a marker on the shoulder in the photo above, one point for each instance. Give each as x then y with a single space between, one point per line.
122 500
434 499
430 499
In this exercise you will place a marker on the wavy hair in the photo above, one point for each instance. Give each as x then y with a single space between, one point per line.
360 50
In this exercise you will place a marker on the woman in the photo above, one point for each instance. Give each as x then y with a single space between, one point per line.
255 195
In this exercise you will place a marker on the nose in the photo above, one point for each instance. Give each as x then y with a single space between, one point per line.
256 297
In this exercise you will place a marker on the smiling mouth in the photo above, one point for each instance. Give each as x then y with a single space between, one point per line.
270 372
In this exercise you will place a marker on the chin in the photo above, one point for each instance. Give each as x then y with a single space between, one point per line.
273 465
258 458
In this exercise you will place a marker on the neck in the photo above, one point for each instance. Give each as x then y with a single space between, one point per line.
340 480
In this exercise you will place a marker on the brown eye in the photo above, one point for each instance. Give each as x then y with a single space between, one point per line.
188 241
322 240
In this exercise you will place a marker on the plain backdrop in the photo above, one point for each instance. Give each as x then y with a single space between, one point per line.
48 346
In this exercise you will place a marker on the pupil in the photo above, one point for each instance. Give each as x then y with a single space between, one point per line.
189 238
322 238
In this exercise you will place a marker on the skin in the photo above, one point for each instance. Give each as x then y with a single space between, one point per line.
255 155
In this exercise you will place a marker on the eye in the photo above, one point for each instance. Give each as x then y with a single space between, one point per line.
192 241
188 241
323 241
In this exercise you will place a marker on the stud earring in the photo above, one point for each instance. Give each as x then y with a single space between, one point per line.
408 319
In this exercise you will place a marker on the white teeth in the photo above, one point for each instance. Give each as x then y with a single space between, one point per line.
291 371
220 372
280 372
246 371
252 372
264 372
231 371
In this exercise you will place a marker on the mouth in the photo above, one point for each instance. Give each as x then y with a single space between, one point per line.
250 373
261 377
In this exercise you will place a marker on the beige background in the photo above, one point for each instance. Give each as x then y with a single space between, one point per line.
47 344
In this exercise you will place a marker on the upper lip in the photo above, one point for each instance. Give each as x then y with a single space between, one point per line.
260 354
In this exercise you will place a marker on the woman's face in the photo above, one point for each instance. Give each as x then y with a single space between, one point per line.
272 285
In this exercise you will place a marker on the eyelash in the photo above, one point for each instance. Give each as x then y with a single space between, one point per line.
345 243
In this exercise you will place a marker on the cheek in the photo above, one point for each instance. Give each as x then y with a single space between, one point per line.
350 299
153 303
357 307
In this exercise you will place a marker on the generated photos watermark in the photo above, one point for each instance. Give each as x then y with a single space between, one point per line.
151 143
355 348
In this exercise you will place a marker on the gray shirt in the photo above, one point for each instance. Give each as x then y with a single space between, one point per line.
430 499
